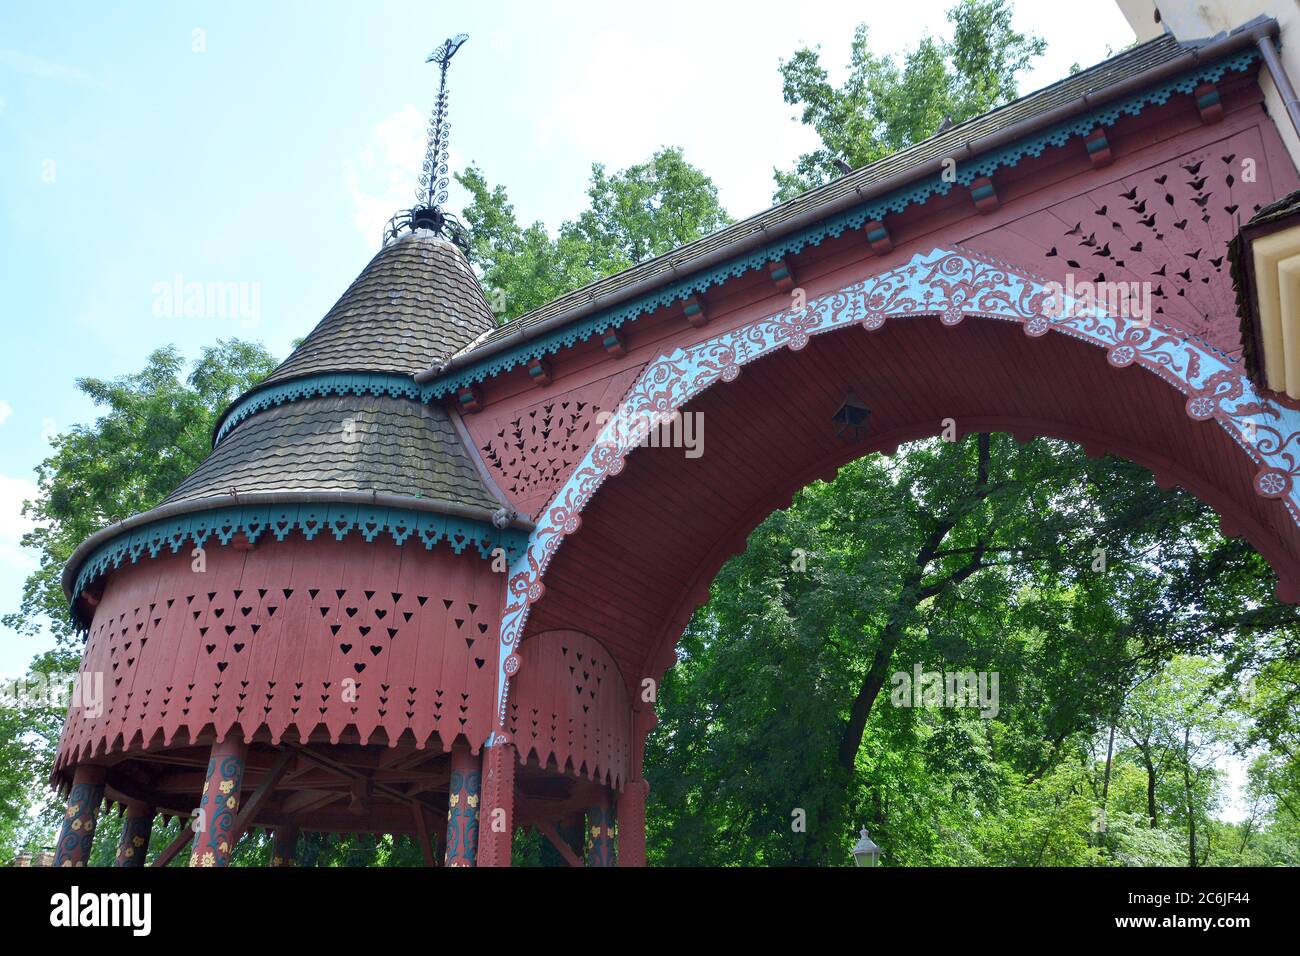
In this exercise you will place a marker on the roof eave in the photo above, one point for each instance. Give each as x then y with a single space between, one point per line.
1247 35
373 499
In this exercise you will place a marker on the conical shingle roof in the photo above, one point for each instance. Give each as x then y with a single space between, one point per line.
342 443
416 302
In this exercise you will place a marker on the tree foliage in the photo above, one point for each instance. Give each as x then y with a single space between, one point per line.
884 105
156 428
633 215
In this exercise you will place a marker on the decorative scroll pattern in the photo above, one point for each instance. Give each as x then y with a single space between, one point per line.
219 805
196 529
952 286
77 834
895 202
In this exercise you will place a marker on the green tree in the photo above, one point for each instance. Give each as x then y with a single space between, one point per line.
636 214
156 428
1031 561
884 105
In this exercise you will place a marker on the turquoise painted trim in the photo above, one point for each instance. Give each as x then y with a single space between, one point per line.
895 202
603 323
400 524
317 386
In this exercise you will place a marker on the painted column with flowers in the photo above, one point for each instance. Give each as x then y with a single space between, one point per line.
137 826
284 846
77 834
219 804
463 806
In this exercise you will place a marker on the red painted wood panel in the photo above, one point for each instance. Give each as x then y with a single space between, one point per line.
267 641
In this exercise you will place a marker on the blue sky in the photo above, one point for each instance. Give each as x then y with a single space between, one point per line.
266 144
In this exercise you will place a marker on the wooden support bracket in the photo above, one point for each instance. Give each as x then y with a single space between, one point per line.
985 194
614 343
539 372
782 274
1098 147
469 399
693 309
1208 103
878 237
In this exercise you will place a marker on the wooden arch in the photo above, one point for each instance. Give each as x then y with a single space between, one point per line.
1144 390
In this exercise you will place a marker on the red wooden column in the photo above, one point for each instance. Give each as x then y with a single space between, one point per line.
220 802
137 827
497 826
462 806
284 846
600 830
77 835
631 802
631 822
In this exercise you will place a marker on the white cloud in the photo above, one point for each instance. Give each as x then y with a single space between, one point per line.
13 525
383 177
5 411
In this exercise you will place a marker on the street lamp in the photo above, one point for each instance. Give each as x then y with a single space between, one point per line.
866 853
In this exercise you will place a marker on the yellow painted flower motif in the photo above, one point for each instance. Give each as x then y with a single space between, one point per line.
455 799
277 861
223 846
232 802
76 824
205 786
472 800
138 841
207 859
67 863
73 810
128 853
226 785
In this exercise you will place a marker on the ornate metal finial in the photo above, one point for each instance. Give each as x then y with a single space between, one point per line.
432 192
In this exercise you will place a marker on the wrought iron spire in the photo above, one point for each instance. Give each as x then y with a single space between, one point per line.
432 192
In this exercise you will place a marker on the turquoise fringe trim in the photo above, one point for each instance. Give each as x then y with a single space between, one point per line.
399 524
